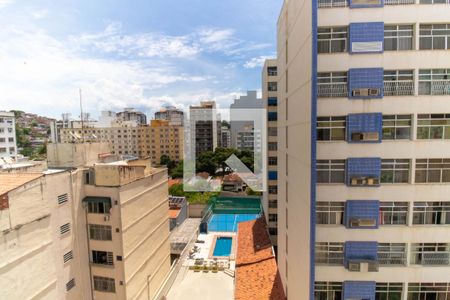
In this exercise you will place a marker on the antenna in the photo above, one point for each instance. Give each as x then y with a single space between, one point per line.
81 116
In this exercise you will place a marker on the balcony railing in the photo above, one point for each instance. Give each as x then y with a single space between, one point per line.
399 2
332 90
435 259
392 259
441 87
398 88
332 3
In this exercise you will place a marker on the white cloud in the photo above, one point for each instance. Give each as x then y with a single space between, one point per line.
39 14
256 62
3 3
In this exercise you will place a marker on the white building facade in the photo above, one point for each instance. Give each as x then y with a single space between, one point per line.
364 151
8 143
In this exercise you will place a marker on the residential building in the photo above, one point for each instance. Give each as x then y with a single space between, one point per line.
249 101
363 156
131 114
203 127
172 114
161 138
270 98
225 140
8 143
95 228
248 139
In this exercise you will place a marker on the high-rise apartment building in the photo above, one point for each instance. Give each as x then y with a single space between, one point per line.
225 137
90 227
161 138
203 126
363 149
172 114
270 98
131 114
8 143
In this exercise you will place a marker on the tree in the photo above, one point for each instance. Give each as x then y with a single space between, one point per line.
165 160
177 171
221 155
206 163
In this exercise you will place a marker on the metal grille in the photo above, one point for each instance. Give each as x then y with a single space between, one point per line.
68 256
64 228
62 198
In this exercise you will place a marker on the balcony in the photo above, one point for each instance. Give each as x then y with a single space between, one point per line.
399 2
332 90
399 88
436 88
332 3
392 259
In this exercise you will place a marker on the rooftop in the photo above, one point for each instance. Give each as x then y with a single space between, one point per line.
257 275
11 181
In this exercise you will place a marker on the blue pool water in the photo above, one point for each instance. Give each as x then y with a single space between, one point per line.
223 246
228 222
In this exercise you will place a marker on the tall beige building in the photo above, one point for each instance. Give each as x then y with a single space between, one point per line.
95 228
270 99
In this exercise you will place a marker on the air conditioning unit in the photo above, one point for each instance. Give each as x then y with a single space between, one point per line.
358 181
354 266
374 92
365 136
366 2
373 266
373 181
363 266
360 92
363 222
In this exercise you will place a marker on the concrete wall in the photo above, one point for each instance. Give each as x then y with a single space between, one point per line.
74 155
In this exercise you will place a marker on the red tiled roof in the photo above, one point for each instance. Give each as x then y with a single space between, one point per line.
257 275
232 177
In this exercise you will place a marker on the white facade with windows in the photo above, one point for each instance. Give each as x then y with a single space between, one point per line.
8 143
413 103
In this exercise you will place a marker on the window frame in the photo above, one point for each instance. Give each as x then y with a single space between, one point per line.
398 167
332 166
327 211
393 124
337 35
335 124
441 165
399 32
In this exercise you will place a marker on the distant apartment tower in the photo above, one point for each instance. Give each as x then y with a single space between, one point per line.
203 127
172 114
364 91
94 228
270 99
8 143
131 114
161 138
225 137
249 101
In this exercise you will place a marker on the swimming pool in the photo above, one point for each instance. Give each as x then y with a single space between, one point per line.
223 246
228 222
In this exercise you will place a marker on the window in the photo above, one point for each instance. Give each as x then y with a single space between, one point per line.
62 198
396 127
70 284
331 128
2 140
431 213
329 253
272 101
104 284
332 39
327 290
432 170
391 254
330 213
332 84
68 256
428 291
273 231
331 171
272 116
399 2
398 82
99 207
398 37
433 126
102 258
394 170
100 232
272 71
272 131
10 139
434 36
272 146
273 217
388 291
434 1
393 213
430 254
273 189
273 160
434 82
64 228
273 203
272 86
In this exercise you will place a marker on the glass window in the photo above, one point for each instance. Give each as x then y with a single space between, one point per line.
331 171
398 82
431 213
330 213
331 128
395 170
391 254
272 86
102 257
332 84
430 254
327 290
396 127
388 291
393 213
329 253
332 39
100 232
398 37
432 170
433 126
97 207
272 71
434 36
428 291
104 284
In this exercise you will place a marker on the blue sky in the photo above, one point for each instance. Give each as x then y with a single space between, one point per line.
141 54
